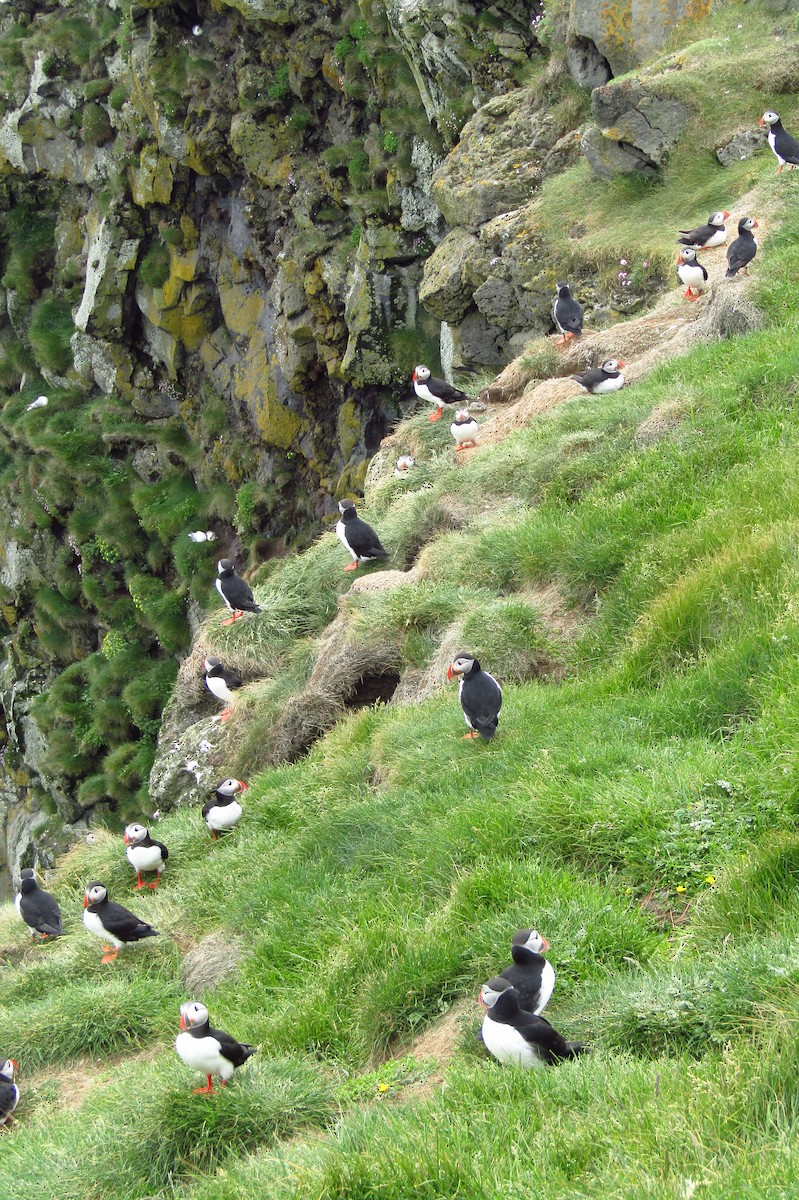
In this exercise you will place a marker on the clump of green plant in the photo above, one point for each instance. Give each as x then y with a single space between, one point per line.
154 265
280 87
49 334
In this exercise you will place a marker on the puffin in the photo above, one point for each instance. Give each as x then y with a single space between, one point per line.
404 464
221 683
464 429
202 535
39 402
208 1050
39 910
521 1038
358 537
480 696
144 854
436 391
567 314
705 237
691 272
224 811
235 591
600 380
531 974
785 147
9 1092
741 252
105 919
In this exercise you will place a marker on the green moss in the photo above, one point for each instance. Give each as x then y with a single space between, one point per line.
154 265
49 334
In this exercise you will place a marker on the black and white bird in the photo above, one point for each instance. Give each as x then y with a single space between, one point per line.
39 910
221 683
601 380
691 273
464 429
480 696
235 591
39 402
404 464
531 974
705 237
785 147
111 921
357 537
9 1092
567 314
144 854
208 1050
521 1038
202 535
224 811
741 252
436 391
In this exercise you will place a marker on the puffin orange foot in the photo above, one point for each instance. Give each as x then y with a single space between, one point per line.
435 416
108 958
226 715
351 567
137 887
214 834
695 296
153 886
235 616
207 1090
470 736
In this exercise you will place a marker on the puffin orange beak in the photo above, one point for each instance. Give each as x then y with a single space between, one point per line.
85 901
480 1000
726 214
761 122
126 840
182 1022
242 784
544 942
450 673
621 364
756 225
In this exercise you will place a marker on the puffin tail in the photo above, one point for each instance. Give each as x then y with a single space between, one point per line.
575 1049
247 1052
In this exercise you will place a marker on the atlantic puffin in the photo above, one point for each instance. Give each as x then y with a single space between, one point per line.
705 237
785 147
39 910
224 811
105 919
221 683
235 591
600 380
144 854
436 391
9 1092
691 272
567 314
208 1050
741 252
480 696
404 464
202 535
464 429
357 537
521 1038
531 974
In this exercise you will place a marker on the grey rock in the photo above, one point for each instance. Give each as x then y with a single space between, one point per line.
741 147
628 32
587 66
609 158
628 113
446 289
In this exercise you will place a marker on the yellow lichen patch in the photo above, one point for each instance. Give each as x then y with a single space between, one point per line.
617 22
151 182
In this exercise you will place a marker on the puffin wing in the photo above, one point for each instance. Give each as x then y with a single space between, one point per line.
163 849
363 540
229 1048
239 593
741 253
42 913
569 315
551 1045
9 1095
589 379
481 700
232 679
787 147
123 924
446 392
696 237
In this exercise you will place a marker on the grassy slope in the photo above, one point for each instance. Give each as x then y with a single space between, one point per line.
377 881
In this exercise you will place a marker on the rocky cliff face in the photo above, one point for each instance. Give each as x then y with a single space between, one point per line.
229 231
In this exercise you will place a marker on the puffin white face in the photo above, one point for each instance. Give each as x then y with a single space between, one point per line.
718 218
95 894
134 834
488 995
460 666
462 414
192 1014
688 254
405 462
421 374
231 787
211 662
536 942
344 505
769 118
8 1068
749 223
614 364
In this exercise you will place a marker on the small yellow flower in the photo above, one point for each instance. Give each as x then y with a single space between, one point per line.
628 891
681 889
710 879
382 1087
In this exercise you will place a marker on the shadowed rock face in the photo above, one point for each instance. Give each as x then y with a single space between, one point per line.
626 32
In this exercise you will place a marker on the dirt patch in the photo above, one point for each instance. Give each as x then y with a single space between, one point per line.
72 1084
660 424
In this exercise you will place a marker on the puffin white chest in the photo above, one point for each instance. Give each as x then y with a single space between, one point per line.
547 987
94 925
203 1054
217 687
341 534
609 385
508 1045
424 393
18 903
772 140
692 276
716 239
466 432
223 816
218 586
144 858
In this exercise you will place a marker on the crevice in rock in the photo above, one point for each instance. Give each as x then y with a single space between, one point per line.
587 65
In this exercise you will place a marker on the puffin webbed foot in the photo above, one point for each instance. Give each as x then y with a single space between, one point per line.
353 566
109 958
435 416
470 736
